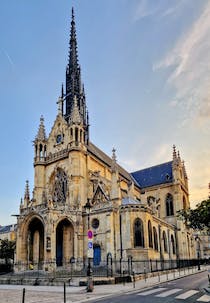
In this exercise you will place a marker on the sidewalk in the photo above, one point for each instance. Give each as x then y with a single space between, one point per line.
55 294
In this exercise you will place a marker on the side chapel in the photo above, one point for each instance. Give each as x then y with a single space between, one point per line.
132 214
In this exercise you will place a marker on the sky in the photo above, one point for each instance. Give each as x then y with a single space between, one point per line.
146 71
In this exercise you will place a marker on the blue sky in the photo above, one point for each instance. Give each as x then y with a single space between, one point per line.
146 70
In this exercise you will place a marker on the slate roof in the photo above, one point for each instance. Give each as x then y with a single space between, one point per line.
7 228
155 175
127 201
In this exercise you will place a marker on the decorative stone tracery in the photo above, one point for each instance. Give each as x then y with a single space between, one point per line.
60 186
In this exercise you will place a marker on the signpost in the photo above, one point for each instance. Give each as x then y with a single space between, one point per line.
90 244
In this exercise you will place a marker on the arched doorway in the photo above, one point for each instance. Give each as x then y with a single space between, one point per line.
35 243
96 254
64 242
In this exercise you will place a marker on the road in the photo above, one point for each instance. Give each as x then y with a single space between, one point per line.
187 290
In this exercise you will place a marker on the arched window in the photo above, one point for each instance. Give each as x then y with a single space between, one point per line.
150 234
45 151
165 246
81 136
169 205
40 151
138 233
71 133
173 244
76 134
155 237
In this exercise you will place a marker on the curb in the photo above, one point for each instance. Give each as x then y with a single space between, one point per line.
98 297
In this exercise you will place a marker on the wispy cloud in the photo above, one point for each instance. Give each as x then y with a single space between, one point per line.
146 8
8 57
189 63
174 9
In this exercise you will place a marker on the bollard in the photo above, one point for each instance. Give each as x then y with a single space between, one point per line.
23 297
64 292
145 275
209 279
134 280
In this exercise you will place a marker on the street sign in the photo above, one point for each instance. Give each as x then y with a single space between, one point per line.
90 248
90 234
90 253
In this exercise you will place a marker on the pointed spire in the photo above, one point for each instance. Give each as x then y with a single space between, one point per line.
174 152
74 86
27 194
114 160
87 129
60 106
75 117
62 91
41 132
178 157
73 57
184 170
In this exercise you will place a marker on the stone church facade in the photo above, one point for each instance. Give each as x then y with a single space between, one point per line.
132 214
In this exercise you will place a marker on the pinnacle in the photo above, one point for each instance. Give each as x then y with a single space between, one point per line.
41 132
75 117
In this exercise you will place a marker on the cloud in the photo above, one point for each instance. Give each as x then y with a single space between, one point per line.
144 9
174 9
147 8
189 63
8 57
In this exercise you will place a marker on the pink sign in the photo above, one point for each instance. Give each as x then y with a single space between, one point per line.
90 234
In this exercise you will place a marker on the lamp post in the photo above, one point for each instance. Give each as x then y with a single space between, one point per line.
90 243
198 250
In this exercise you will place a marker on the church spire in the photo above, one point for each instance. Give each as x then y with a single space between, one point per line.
74 86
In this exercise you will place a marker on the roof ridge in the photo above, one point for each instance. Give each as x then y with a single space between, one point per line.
151 167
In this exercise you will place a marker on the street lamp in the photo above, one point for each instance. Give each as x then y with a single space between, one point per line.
89 269
198 250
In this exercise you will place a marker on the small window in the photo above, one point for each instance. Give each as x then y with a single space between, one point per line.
167 177
169 205
165 245
150 234
95 223
173 244
155 238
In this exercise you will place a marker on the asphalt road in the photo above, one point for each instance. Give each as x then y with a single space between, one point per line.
185 290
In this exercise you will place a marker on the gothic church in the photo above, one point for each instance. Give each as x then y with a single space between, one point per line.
131 214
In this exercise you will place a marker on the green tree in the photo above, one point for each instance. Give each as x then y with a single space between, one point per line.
198 218
7 250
